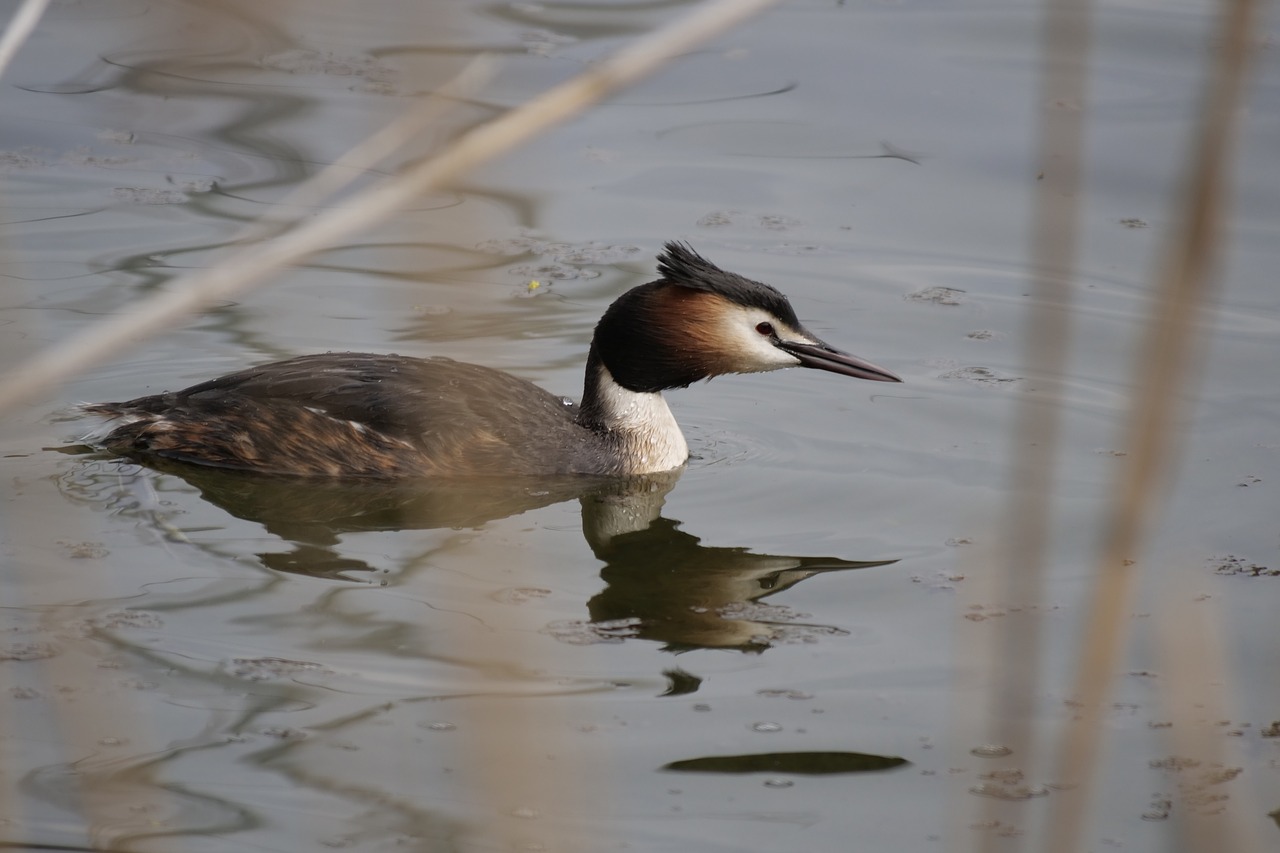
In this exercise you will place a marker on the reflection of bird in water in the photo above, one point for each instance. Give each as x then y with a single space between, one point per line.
660 581
661 584
388 416
313 519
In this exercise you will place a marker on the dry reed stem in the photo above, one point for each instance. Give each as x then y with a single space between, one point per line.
1193 660
1062 94
1013 666
198 290
19 30
1165 369
107 793
253 264
373 149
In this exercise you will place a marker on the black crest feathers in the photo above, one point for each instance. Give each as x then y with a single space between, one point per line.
679 264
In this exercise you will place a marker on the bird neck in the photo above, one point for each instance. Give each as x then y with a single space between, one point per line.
638 424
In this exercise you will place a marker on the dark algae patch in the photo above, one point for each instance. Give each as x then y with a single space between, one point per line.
803 763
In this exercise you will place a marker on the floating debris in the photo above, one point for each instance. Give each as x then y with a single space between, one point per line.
766 728
142 195
577 632
84 550
980 376
36 650
268 669
1009 792
519 594
554 272
767 221
437 726
799 763
938 296
312 62
559 252
1233 565
545 42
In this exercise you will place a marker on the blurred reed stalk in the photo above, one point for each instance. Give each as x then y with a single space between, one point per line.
252 265
294 240
1192 659
1063 94
20 27
1164 373
1011 664
15 35
93 726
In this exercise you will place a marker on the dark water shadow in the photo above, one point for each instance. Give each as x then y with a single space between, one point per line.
795 763
312 515
664 585
661 583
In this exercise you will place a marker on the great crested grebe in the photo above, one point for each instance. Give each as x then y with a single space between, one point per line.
391 416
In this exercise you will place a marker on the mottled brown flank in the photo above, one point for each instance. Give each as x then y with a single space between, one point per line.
363 415
273 439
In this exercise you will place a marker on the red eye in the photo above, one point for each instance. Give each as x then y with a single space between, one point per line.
765 329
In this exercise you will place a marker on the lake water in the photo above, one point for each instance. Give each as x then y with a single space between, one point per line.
203 663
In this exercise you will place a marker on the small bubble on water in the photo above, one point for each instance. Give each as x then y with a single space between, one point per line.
437 726
778 783
991 750
766 727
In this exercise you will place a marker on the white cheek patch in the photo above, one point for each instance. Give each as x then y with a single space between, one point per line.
748 351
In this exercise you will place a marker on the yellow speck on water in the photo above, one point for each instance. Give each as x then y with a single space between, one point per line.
534 284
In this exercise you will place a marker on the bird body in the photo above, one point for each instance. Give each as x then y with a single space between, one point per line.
389 416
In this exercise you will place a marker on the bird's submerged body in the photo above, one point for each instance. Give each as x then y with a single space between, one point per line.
369 415
388 416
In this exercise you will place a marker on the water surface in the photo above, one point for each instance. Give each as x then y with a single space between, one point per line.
284 667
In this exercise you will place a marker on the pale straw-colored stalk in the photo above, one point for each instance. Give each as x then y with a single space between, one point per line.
1062 98
1165 371
19 29
373 149
1010 661
21 25
253 264
1194 679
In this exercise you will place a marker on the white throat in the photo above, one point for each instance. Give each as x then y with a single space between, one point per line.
641 422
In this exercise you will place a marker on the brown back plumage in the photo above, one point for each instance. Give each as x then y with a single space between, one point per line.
358 415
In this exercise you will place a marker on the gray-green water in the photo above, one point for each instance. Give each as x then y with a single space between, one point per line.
290 669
